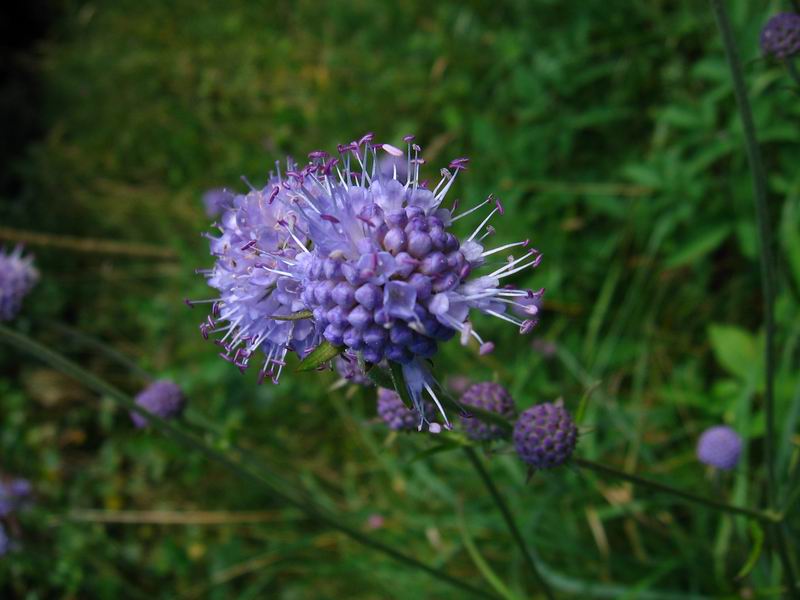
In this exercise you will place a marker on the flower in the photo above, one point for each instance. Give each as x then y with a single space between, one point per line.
344 252
545 435
14 495
217 201
397 416
17 278
780 37
491 397
348 368
720 447
162 398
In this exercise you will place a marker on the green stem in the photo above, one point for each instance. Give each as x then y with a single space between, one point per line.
314 512
508 517
655 485
764 233
789 62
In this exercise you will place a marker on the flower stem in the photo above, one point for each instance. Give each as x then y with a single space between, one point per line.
266 480
792 69
508 517
764 234
667 489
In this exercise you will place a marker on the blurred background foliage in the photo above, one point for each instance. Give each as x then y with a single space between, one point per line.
609 130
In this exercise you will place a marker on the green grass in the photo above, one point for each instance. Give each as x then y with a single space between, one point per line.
609 130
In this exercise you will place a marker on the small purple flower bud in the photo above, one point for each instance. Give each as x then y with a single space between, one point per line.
162 398
395 414
334 333
399 299
369 296
395 240
491 397
419 244
780 37
545 435
720 447
343 295
359 317
17 278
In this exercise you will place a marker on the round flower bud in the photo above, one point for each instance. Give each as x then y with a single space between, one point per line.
545 435
720 447
780 37
348 368
162 398
491 397
17 278
395 414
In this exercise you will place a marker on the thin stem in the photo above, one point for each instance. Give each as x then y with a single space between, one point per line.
764 234
508 517
266 481
792 69
655 485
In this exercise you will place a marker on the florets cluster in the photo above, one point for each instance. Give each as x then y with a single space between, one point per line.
348 368
348 252
163 398
720 447
545 435
14 495
17 278
491 397
780 37
217 201
396 415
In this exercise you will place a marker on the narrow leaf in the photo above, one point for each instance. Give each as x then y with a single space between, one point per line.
321 354
399 384
301 314
755 552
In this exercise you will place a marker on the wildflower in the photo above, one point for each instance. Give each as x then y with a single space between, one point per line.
780 37
396 415
348 368
375 521
217 201
14 495
163 398
341 252
17 278
545 435
720 447
491 397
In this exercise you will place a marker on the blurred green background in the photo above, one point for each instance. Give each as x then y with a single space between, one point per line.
609 130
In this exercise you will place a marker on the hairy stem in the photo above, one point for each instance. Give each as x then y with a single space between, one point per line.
475 460
667 489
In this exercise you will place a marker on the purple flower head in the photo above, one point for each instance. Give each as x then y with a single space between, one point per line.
217 201
720 447
340 251
14 495
396 415
348 368
545 435
163 398
17 278
491 397
780 37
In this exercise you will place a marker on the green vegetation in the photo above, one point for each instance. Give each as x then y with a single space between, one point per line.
610 131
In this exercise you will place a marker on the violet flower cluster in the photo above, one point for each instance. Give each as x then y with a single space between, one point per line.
163 398
15 495
719 447
345 252
17 278
780 37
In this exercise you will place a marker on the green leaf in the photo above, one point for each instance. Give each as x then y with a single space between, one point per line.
700 245
736 351
301 314
399 384
321 354
379 376
755 552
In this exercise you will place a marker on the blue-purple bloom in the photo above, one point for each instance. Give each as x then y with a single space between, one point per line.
5 543
780 37
491 397
342 252
17 278
399 417
217 201
348 368
545 435
163 398
15 494
720 447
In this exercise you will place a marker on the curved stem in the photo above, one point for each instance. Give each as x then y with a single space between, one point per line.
266 480
667 489
475 460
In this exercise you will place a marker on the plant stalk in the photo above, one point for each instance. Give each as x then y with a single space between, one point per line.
476 462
